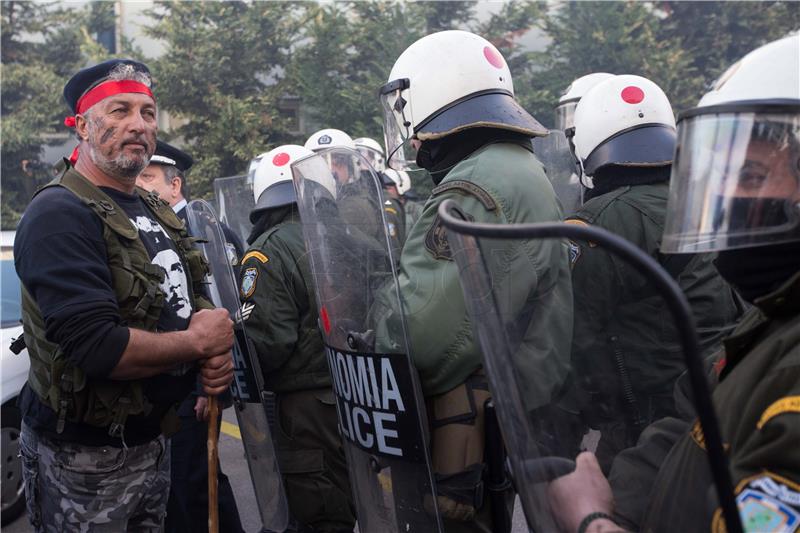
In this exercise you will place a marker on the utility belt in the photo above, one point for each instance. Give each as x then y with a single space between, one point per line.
457 420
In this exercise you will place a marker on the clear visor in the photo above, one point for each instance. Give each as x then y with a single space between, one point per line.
565 115
735 182
315 175
372 156
396 128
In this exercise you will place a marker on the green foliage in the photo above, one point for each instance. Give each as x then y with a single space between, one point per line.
221 75
682 46
37 41
227 66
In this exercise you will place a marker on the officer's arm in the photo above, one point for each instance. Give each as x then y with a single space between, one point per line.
596 287
269 307
765 456
429 283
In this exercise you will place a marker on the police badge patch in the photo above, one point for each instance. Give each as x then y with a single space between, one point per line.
436 239
249 282
392 229
767 503
325 139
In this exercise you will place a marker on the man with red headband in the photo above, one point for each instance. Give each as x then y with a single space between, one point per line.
110 354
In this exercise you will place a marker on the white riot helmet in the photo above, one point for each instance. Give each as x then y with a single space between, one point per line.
399 179
329 138
444 83
272 183
626 121
565 110
372 152
736 178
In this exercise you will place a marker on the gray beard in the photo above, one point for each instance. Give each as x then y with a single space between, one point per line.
121 167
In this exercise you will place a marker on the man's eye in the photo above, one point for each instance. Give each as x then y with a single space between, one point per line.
751 179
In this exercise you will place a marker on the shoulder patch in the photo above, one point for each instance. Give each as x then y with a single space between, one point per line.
257 255
767 503
579 222
467 187
789 404
391 210
576 222
249 282
436 239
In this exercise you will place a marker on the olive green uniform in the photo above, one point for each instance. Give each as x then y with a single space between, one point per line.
626 348
498 183
280 312
757 400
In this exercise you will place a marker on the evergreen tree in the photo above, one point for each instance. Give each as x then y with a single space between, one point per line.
221 75
40 49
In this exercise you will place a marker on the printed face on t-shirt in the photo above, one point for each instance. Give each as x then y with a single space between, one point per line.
175 284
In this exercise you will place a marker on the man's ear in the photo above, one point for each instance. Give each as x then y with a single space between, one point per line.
82 127
176 187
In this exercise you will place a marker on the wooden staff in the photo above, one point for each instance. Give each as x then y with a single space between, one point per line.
213 453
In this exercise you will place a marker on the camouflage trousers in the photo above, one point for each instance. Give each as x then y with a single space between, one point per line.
71 487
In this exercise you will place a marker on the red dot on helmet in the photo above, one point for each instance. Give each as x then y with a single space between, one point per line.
280 159
632 94
493 57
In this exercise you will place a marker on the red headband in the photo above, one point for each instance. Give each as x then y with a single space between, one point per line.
101 92
104 90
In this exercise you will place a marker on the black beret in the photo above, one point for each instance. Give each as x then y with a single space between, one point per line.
166 154
87 78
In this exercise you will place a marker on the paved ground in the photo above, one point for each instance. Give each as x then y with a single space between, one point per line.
234 465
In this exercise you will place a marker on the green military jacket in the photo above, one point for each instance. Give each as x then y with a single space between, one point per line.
499 183
757 401
280 311
623 334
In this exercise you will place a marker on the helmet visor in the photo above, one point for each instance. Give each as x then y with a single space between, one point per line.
735 182
372 156
565 115
396 123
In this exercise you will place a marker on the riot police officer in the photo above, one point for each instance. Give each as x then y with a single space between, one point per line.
736 190
450 95
626 357
280 312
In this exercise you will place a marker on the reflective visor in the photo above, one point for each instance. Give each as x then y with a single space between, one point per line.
396 123
735 181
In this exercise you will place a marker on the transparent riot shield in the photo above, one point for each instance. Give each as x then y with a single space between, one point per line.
234 196
524 328
561 169
379 403
251 401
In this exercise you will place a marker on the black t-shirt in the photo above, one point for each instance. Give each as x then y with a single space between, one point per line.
61 259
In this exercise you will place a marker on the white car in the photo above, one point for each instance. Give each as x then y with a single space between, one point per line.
13 374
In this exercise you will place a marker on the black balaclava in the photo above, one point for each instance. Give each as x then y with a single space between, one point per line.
270 217
611 177
439 156
759 270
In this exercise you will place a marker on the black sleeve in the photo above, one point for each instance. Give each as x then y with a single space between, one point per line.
60 257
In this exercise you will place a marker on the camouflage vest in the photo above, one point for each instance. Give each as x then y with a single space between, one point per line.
136 282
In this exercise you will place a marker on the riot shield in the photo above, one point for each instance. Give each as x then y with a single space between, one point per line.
235 200
531 368
251 401
381 412
561 169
